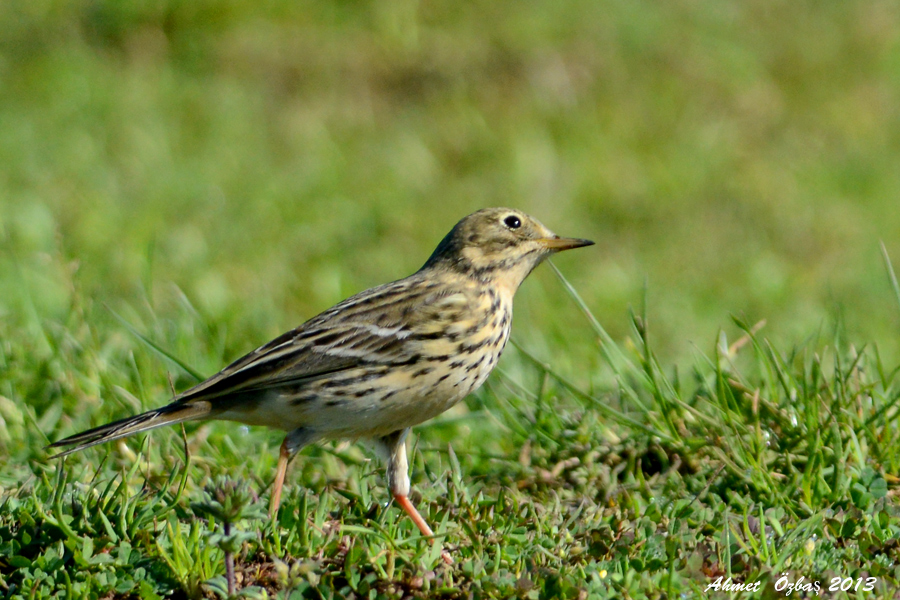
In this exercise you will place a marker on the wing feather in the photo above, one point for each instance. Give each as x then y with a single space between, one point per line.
348 336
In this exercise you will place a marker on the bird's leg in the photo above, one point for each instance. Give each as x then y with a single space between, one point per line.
294 441
394 446
406 505
283 457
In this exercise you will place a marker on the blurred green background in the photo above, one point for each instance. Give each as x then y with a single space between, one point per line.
255 162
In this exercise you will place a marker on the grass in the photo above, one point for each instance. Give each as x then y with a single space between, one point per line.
756 464
181 181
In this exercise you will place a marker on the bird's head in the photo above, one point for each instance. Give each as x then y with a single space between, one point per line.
499 245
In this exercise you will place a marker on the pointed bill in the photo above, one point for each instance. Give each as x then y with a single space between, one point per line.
558 243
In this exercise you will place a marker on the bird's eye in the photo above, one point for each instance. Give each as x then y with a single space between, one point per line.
512 221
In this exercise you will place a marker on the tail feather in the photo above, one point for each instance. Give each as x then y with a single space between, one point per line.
167 415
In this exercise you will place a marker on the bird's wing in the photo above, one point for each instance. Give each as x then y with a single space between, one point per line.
291 359
377 327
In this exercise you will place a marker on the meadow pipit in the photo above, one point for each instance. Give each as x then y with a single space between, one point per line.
379 362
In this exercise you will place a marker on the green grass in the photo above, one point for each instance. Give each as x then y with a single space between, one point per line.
755 463
193 178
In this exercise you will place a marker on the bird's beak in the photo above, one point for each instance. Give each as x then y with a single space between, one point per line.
557 244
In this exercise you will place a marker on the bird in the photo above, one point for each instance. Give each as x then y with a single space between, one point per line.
378 363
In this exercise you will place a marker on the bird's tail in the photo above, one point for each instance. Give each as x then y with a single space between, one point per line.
176 412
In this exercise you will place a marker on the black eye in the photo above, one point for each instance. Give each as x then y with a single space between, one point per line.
512 221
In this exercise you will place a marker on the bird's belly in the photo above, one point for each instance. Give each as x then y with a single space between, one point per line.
427 397
398 403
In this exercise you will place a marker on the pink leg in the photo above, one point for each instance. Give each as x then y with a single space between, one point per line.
394 448
406 505
283 458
